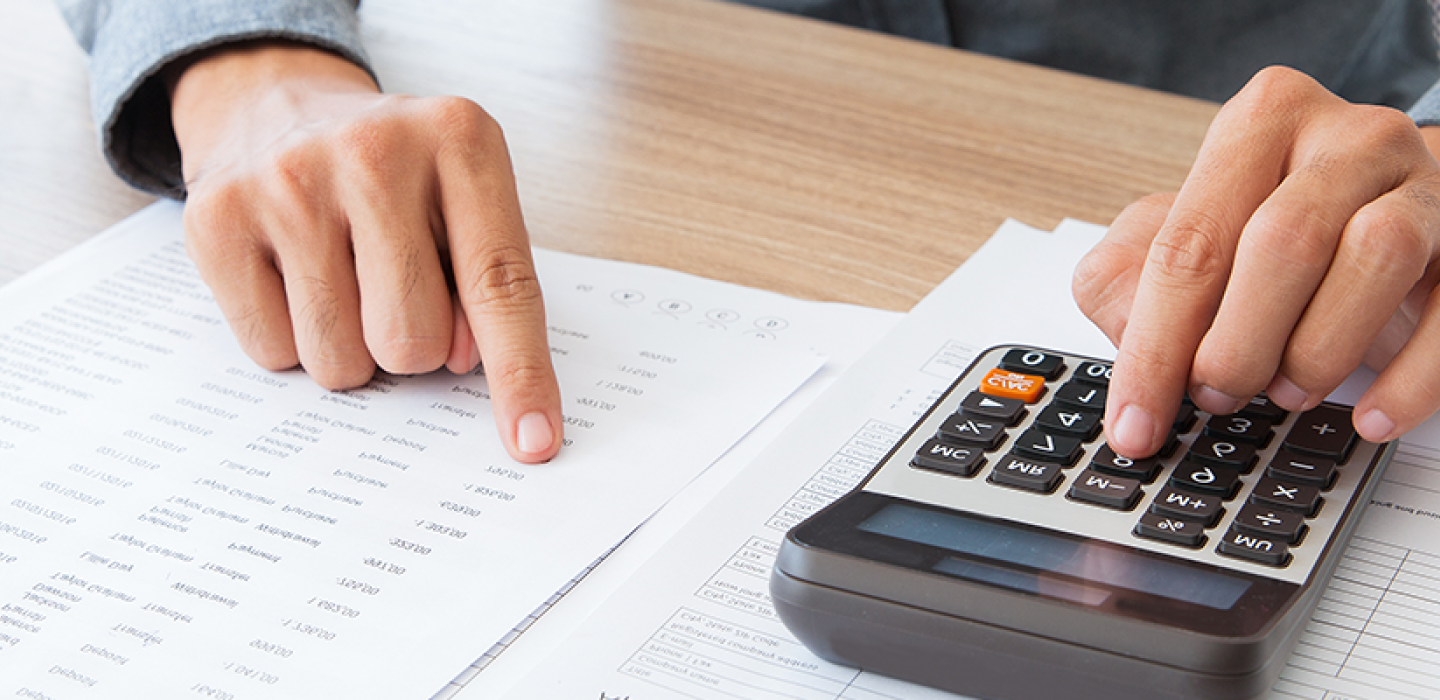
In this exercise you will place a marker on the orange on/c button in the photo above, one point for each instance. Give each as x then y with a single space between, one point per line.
1012 385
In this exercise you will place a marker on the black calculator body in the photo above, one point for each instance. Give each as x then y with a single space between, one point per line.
1001 550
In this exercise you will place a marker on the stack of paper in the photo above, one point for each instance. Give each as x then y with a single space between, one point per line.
695 620
176 521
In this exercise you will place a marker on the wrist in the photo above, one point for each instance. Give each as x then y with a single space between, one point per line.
232 86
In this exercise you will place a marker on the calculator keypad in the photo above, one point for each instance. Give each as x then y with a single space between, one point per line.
1248 487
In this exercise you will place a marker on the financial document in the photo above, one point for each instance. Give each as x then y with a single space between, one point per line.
178 523
696 621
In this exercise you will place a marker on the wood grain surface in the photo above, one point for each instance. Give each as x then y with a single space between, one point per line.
739 144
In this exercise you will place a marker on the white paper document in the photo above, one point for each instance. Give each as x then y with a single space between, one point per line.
695 621
175 522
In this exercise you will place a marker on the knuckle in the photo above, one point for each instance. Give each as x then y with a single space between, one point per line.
505 277
1190 250
1304 236
1274 84
368 146
1093 282
1388 127
1384 243
459 117
519 374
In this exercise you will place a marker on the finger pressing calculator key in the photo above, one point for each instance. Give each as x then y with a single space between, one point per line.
1002 527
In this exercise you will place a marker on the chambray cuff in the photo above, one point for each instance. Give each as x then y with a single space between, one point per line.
131 41
1426 110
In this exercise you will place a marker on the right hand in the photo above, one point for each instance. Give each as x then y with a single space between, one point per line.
331 222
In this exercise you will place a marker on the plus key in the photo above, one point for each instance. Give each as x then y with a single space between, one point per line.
1325 431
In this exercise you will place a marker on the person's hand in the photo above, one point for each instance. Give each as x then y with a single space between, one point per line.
1303 242
327 218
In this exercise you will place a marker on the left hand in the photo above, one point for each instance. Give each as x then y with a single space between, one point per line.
1304 241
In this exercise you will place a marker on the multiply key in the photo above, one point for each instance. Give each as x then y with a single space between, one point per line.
1274 493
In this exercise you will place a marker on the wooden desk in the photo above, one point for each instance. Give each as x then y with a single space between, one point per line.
782 153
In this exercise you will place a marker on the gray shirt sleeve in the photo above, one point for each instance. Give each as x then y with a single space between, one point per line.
1426 110
131 41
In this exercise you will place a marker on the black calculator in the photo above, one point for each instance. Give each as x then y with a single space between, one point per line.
1002 550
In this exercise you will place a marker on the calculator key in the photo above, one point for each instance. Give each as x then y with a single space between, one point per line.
1275 493
951 459
1239 428
1255 548
1274 523
1185 533
1207 479
1081 395
1034 362
1106 490
1029 474
1314 471
987 433
1097 373
1184 418
1188 506
1228 454
1008 410
1324 431
1013 385
1106 461
1040 444
1263 408
1070 421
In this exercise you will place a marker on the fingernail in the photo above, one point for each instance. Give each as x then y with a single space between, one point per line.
533 434
1374 425
1214 402
1133 431
1286 395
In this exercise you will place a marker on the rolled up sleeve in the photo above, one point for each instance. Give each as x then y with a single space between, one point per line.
131 41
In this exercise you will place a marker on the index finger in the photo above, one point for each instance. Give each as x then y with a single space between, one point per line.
1186 270
495 279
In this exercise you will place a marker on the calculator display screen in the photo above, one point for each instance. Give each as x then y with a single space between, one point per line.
1039 551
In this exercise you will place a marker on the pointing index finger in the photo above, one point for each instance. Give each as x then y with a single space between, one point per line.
1186 272
495 279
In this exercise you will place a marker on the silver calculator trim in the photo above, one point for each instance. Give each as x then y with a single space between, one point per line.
896 477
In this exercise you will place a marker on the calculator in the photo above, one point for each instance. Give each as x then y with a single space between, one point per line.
1003 550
